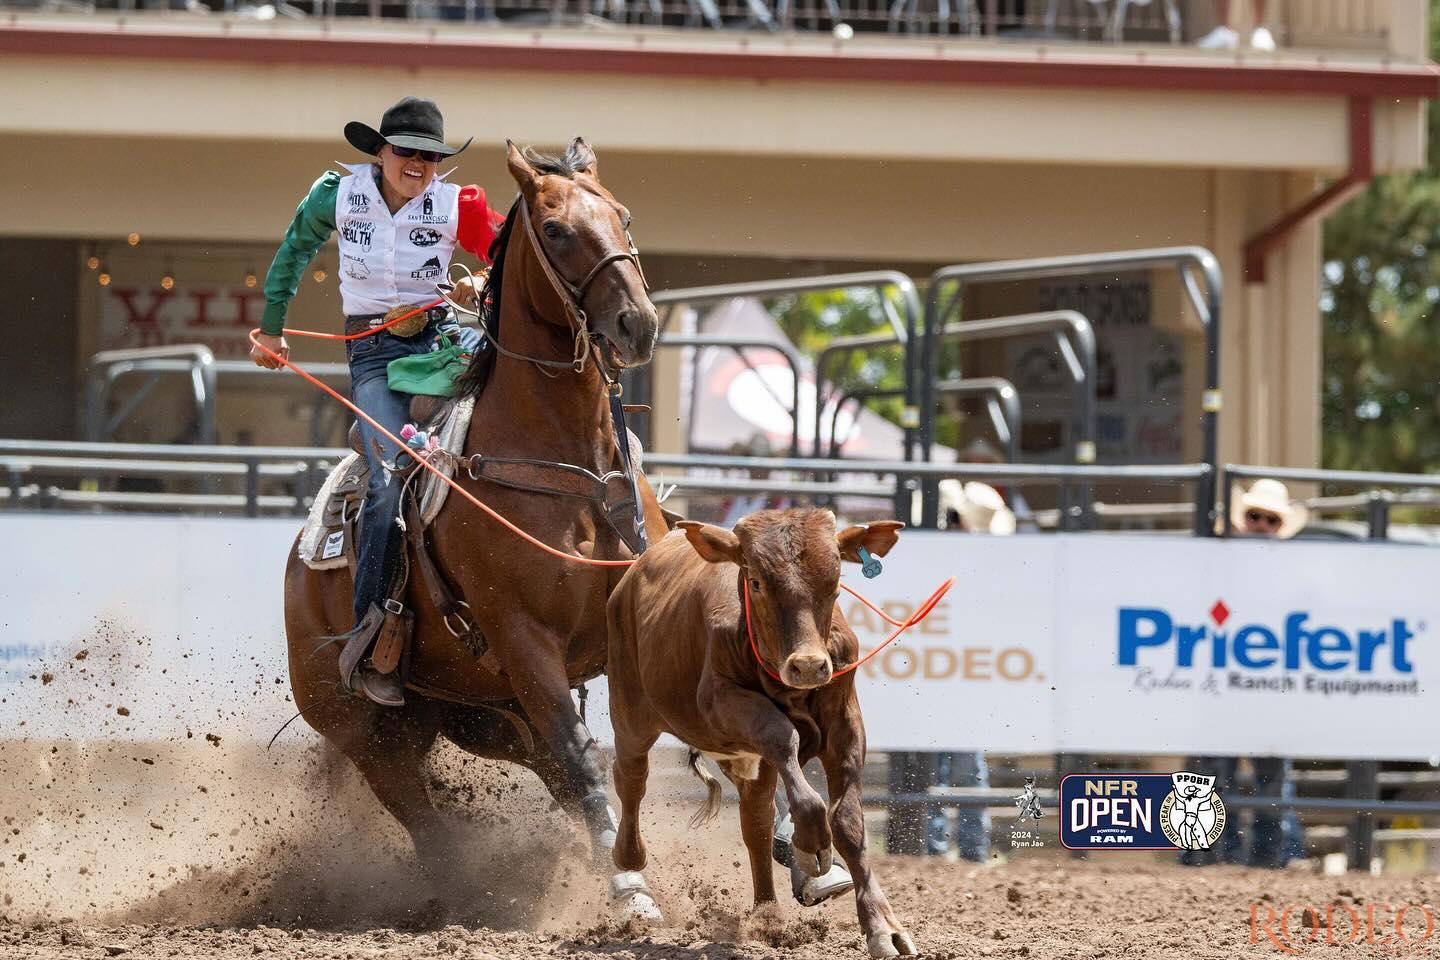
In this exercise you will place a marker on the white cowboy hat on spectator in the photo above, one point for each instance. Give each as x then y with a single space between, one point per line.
1268 496
980 507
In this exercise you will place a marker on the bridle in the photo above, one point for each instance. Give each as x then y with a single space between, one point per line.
572 296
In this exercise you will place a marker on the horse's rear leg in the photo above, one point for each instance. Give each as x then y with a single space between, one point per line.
390 754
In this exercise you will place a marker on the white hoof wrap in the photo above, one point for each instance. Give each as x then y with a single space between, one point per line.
630 899
835 882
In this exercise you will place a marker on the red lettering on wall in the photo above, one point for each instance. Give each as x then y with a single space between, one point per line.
201 299
242 308
147 324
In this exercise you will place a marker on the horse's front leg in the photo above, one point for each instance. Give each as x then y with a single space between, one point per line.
535 660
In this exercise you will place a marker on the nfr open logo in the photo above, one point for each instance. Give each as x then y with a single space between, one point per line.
1139 811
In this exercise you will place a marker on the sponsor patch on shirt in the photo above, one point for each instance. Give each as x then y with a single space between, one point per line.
359 232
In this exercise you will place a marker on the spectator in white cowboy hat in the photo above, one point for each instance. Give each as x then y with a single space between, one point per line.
1266 510
971 507
974 507
1276 837
1225 37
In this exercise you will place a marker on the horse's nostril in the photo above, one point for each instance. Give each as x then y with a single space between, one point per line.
626 321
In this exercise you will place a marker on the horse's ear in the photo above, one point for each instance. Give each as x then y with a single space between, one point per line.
524 174
715 544
584 157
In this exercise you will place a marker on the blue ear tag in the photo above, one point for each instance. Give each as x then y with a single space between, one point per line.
869 565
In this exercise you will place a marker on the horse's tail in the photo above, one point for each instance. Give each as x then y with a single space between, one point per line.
710 809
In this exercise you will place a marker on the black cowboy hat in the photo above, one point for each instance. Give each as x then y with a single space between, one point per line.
412 122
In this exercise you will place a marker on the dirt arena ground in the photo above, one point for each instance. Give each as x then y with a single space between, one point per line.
202 843
288 857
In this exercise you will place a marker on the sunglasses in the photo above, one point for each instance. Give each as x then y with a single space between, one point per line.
405 153
1269 519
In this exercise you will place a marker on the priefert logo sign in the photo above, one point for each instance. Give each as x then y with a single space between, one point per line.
1298 653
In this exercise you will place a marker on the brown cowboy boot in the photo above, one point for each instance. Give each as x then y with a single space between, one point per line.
358 677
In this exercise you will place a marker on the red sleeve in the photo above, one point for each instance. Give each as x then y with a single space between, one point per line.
478 223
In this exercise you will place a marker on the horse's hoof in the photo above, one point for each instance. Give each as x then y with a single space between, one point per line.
815 864
808 862
835 882
891 943
631 900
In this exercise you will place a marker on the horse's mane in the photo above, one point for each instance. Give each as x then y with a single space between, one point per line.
473 380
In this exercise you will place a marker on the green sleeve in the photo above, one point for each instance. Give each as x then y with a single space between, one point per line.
314 222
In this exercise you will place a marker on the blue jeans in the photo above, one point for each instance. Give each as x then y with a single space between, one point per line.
972 824
1275 835
381 546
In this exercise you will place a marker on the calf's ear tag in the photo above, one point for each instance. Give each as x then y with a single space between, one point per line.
869 565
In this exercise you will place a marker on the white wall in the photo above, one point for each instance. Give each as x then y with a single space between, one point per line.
181 621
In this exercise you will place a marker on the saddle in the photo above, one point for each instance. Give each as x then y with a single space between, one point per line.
331 531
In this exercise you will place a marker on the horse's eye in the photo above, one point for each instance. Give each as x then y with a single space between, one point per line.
553 230
754 583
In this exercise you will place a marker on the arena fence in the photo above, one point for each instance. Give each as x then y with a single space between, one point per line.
1361 25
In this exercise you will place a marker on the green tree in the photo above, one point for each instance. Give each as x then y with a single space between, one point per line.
1381 285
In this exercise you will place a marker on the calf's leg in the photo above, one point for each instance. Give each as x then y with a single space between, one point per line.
631 771
752 718
844 759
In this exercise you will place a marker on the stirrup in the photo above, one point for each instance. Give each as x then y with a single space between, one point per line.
382 688
357 641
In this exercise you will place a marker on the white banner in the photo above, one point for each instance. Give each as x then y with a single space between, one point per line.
1086 643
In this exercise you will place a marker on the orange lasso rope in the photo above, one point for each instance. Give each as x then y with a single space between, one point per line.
401 445
920 614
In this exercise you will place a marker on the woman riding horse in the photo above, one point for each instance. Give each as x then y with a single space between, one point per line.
399 224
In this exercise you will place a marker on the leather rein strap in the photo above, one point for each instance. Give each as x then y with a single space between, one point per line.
572 296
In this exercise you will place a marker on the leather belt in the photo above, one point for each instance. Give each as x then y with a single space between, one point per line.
363 322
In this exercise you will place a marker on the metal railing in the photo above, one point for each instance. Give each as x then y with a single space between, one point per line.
903 323
1074 338
945 297
299 470
1310 24
1002 403
197 362
740 344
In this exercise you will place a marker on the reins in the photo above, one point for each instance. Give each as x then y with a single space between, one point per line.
920 614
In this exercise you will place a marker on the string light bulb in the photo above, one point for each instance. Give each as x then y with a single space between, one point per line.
251 279
104 277
319 275
167 282
92 262
133 239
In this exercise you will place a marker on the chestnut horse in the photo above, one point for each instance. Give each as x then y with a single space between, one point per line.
543 616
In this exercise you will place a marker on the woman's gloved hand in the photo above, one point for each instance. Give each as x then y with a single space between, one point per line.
469 339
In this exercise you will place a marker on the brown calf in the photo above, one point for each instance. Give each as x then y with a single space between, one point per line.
681 662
